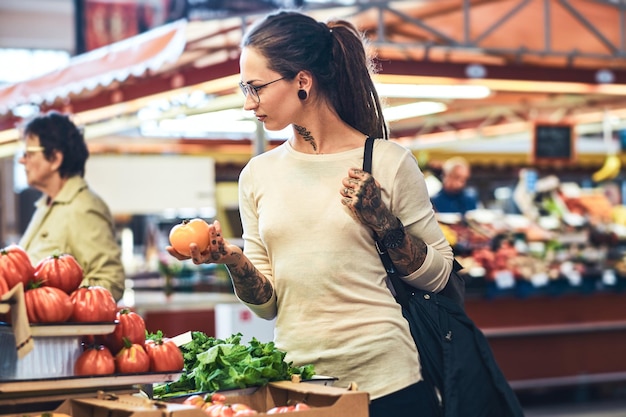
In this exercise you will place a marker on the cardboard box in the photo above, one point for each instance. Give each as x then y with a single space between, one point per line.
126 405
325 401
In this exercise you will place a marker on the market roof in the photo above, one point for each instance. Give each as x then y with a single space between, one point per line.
103 67
542 59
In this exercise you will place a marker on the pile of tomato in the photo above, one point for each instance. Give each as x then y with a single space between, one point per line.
52 288
53 294
129 349
216 405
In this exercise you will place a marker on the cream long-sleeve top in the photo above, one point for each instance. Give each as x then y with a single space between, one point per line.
331 304
77 222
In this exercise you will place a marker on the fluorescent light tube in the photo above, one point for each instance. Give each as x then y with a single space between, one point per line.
406 111
433 91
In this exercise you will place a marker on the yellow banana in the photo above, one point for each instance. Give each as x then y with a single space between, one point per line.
449 234
609 170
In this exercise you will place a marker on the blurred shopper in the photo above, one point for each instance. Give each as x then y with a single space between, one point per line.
454 197
310 214
69 217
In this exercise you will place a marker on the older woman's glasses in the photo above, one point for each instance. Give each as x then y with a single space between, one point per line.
27 151
253 90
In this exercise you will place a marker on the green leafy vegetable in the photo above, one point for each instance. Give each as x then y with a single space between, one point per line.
214 365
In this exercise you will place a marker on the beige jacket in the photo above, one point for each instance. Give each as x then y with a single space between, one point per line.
77 222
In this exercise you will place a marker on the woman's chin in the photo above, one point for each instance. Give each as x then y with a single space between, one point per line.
274 127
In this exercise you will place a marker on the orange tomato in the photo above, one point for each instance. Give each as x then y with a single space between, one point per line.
241 409
188 232
216 397
195 400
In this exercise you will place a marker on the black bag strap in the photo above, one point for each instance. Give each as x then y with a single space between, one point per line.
397 285
367 154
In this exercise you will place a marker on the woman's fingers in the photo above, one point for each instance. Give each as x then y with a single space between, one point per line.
175 254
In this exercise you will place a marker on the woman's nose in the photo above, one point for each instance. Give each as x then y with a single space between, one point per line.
249 102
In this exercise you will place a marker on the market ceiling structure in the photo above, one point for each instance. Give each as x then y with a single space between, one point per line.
543 60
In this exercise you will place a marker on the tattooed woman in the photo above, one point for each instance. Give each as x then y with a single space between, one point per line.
309 214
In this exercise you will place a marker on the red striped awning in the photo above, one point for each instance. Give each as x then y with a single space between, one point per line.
148 51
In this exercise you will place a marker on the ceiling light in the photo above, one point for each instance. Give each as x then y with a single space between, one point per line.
225 121
406 111
433 91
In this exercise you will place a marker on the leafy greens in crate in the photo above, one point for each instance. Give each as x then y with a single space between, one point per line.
216 364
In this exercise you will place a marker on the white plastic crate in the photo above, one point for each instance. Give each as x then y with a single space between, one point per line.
56 348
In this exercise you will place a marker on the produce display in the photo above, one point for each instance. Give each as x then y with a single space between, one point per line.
53 294
222 364
129 349
52 291
566 239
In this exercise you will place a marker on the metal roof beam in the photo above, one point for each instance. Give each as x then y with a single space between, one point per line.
566 4
465 43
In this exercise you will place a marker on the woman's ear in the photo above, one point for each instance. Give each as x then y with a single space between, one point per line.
305 80
56 159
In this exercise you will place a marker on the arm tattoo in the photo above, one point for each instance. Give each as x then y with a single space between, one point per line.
306 135
409 256
251 286
372 209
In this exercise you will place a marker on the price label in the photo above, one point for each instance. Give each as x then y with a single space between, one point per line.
504 279
539 279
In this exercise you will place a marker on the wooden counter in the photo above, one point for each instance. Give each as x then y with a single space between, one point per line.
555 341
538 341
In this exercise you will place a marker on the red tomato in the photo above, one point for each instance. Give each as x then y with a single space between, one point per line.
15 266
188 232
60 271
47 305
241 409
217 397
131 359
195 400
301 406
281 409
218 410
248 412
96 360
164 355
93 304
131 326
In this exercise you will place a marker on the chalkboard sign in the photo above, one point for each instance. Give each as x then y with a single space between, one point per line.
553 142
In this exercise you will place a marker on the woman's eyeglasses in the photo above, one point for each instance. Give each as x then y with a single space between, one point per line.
253 90
27 151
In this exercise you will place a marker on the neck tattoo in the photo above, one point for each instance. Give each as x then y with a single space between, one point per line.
306 135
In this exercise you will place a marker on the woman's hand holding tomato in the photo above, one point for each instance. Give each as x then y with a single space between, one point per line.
194 231
218 250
